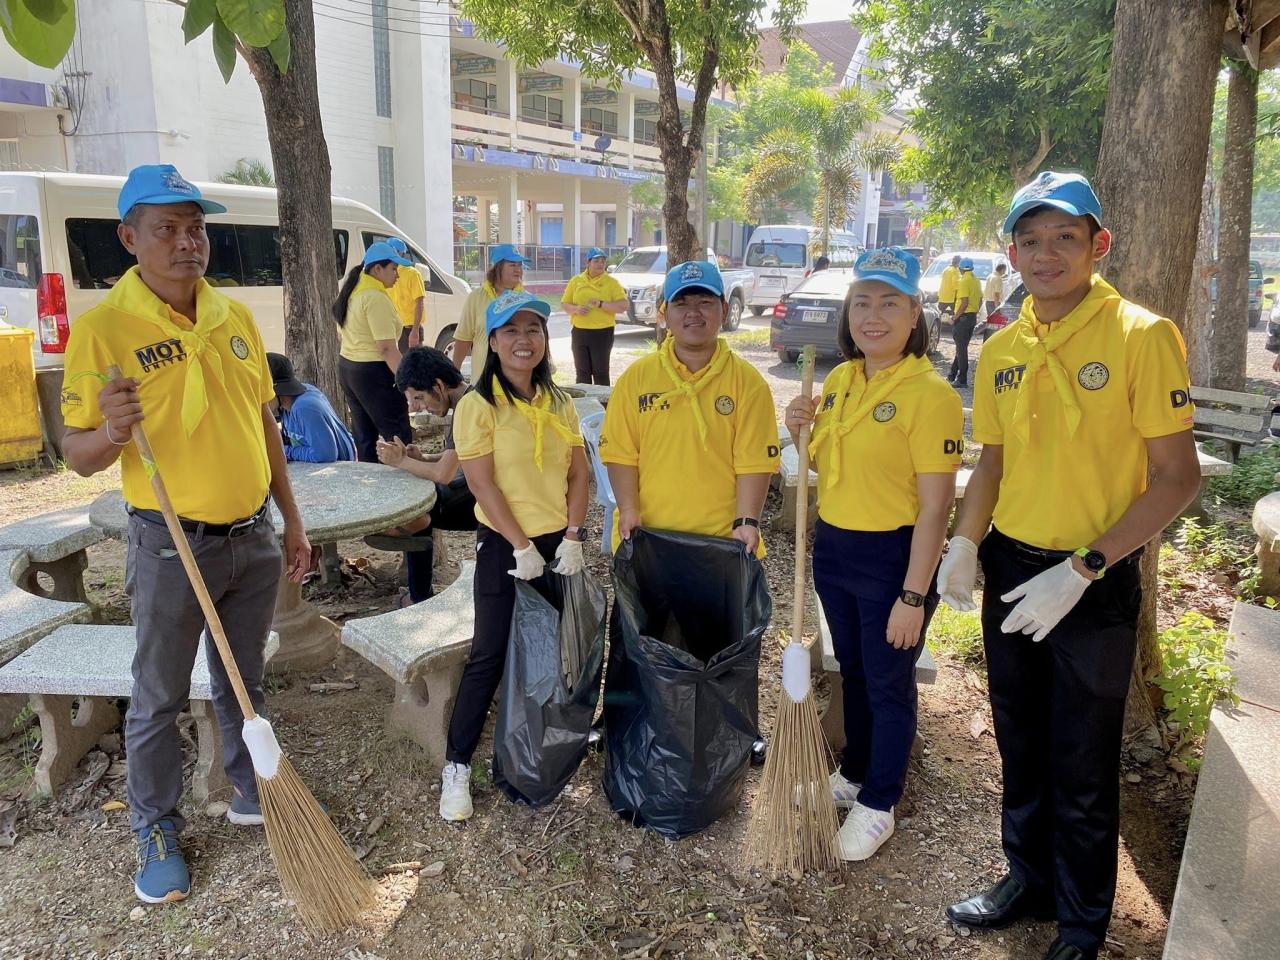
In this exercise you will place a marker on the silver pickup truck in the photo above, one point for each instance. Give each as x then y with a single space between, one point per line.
641 274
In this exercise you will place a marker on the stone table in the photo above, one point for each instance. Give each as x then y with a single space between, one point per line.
338 501
595 391
1266 524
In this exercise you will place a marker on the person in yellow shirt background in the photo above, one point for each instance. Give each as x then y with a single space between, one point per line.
888 434
592 299
506 272
1083 409
993 289
947 287
196 376
520 445
968 302
409 294
370 353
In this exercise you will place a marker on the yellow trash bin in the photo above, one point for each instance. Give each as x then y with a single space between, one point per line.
20 436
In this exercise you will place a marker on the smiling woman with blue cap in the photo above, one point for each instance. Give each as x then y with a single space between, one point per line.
886 446
370 352
470 337
592 299
520 445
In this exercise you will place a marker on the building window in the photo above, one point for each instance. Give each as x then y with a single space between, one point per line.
381 58
534 106
475 95
387 183
9 157
600 121
646 131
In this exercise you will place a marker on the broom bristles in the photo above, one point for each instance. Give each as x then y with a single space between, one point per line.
793 821
317 869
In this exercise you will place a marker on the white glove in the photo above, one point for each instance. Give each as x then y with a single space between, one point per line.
957 574
529 563
568 558
1046 598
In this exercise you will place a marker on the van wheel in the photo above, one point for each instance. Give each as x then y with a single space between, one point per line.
444 342
734 319
757 311
788 356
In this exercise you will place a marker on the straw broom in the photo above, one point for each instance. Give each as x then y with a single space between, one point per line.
317 869
793 822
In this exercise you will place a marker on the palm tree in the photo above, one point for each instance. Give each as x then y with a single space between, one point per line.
826 135
249 173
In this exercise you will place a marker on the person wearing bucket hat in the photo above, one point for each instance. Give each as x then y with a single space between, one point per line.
520 445
409 294
592 299
1083 409
370 353
194 365
312 432
968 299
470 338
886 443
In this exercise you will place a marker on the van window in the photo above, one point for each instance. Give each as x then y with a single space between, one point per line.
19 250
436 284
776 255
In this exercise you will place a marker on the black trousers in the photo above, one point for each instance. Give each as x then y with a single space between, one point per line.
495 599
1058 707
378 409
455 509
961 333
591 349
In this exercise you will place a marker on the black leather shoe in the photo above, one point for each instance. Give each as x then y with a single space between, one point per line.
759 751
1065 951
1005 903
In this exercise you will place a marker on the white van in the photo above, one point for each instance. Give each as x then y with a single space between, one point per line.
59 254
781 256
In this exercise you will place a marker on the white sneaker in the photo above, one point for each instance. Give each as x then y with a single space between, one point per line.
863 832
843 791
455 792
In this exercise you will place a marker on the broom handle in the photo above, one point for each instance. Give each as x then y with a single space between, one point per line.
802 500
189 563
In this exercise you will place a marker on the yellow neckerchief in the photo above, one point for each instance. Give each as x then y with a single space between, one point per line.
595 284
1041 342
369 282
540 414
493 294
132 297
850 376
693 384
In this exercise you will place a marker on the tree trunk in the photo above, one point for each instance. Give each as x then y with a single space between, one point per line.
300 158
1155 140
1199 323
1231 322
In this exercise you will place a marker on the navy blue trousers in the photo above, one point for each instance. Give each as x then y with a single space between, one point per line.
859 575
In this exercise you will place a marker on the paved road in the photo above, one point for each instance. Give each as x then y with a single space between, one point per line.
628 336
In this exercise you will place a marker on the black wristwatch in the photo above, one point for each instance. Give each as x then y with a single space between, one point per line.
1095 561
746 522
911 598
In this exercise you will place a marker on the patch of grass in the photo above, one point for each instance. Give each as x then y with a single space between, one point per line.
753 338
566 858
958 635
1252 479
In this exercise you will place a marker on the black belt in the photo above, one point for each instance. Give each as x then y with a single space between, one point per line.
1053 556
199 528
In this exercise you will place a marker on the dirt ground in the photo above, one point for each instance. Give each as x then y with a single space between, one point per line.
568 881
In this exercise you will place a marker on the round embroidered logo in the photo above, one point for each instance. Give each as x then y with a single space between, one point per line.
240 348
1093 376
884 412
724 405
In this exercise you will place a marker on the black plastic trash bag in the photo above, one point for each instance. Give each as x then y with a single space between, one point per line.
550 686
680 693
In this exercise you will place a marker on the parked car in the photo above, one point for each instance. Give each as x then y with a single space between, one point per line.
1006 313
780 256
811 314
642 271
1256 283
984 261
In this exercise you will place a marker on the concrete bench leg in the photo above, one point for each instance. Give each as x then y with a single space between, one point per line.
67 575
209 779
1269 567
65 740
833 717
422 708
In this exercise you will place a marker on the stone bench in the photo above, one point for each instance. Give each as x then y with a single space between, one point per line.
93 664
1237 419
1266 524
1224 905
423 648
55 545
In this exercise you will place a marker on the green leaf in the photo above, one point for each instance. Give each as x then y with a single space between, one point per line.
47 11
34 38
256 22
198 18
224 49
279 49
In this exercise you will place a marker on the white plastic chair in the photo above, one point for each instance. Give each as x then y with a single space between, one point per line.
591 427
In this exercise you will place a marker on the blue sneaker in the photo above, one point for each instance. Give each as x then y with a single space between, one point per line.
162 875
245 812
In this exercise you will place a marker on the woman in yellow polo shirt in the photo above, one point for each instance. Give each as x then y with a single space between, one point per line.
592 299
370 354
470 338
886 446
518 439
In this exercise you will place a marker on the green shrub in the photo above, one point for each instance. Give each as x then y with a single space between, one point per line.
958 635
1195 677
1252 479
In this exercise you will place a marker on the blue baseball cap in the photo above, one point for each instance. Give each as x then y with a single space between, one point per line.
505 253
965 264
892 265
506 305
595 253
692 275
159 183
1068 192
382 250
398 245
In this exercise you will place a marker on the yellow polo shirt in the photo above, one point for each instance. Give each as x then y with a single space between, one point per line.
539 499
685 485
969 286
406 292
993 289
371 316
947 285
916 427
219 472
471 324
1127 370
582 289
